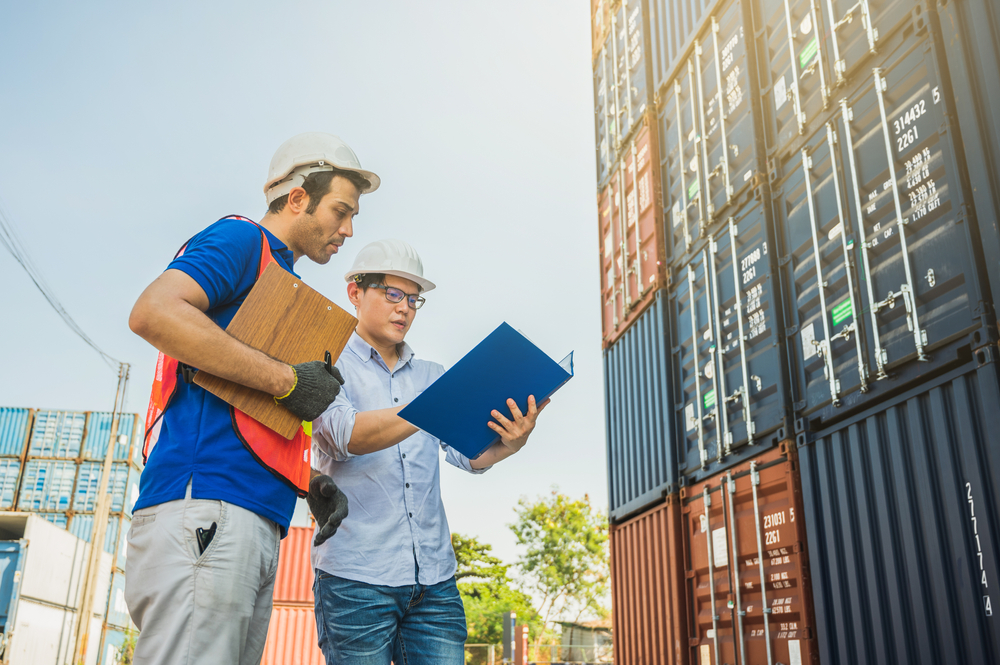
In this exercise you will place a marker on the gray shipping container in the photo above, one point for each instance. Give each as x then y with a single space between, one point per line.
708 132
642 463
903 525
622 83
727 361
886 304
971 39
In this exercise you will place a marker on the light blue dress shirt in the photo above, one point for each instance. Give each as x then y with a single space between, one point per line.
396 521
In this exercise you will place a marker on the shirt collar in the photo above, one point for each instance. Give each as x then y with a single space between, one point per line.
366 351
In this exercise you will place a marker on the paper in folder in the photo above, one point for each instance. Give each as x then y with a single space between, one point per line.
457 406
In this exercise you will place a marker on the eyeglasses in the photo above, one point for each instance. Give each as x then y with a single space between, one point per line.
392 294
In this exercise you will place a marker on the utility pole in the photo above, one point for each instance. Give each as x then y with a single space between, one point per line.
101 511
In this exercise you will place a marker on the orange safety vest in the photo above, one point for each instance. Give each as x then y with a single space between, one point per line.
288 460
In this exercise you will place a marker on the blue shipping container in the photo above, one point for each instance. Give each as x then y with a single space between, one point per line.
57 434
122 552
47 485
10 470
118 615
642 464
111 646
95 445
11 561
88 482
13 430
82 526
59 519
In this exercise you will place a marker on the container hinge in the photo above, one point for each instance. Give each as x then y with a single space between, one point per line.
783 261
791 331
798 407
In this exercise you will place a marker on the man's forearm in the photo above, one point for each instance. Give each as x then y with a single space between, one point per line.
495 453
184 332
378 430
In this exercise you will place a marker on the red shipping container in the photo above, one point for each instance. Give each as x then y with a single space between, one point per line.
631 243
647 588
748 589
600 23
294 580
291 637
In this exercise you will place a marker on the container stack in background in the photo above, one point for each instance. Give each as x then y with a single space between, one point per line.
50 466
291 636
800 337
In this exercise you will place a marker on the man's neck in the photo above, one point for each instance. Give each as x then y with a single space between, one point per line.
389 353
280 228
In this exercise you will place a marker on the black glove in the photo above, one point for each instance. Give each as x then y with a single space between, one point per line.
317 384
328 505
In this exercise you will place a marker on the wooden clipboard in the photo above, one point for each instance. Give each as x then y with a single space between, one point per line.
290 322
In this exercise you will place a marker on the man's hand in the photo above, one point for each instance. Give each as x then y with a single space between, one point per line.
514 434
328 505
316 385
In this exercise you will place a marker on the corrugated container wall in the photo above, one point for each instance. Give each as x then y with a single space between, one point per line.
903 523
291 637
971 38
729 386
57 434
630 241
13 430
647 588
294 580
673 24
642 458
747 571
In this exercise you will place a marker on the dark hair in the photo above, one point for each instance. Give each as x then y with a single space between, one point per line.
317 185
364 280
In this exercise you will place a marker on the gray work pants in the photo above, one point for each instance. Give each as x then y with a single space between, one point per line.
209 608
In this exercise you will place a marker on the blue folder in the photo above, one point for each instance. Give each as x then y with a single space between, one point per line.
457 406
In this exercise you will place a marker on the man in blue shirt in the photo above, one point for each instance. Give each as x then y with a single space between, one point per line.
203 545
385 586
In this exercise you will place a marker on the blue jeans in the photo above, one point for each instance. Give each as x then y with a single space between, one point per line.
368 624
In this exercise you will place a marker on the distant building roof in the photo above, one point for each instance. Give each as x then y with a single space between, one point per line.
600 625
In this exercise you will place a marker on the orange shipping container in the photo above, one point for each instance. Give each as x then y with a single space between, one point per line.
294 580
632 250
748 589
647 588
291 637
600 23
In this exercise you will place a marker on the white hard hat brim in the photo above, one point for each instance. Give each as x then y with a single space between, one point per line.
424 284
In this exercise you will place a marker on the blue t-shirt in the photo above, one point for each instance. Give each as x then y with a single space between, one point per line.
197 440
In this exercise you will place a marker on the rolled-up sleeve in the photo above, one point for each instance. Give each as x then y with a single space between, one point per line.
459 460
332 430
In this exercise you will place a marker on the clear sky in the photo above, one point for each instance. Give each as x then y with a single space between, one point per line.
126 128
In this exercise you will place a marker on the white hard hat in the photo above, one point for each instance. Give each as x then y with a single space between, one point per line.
390 257
309 153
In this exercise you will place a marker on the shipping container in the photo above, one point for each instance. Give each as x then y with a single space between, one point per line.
708 135
642 457
61 520
811 51
647 588
10 473
12 555
291 637
82 526
88 483
600 24
902 519
673 24
132 488
47 485
631 244
622 93
971 38
121 555
117 614
112 643
294 580
95 445
13 430
747 570
727 362
876 306
43 626
57 434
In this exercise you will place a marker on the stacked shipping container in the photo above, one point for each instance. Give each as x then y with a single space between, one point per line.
51 464
825 246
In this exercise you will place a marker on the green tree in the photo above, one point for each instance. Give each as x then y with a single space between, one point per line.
566 565
488 592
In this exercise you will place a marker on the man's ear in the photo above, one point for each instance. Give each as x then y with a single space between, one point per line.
354 293
298 200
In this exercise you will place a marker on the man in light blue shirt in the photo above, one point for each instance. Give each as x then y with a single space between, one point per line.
385 585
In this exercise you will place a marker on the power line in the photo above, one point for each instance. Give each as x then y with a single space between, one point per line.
10 239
